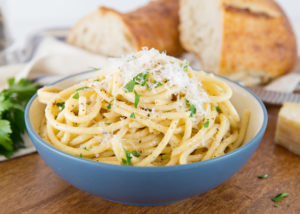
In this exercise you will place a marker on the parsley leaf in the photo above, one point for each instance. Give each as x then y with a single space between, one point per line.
206 124
80 155
157 84
263 176
85 148
61 105
12 104
139 79
4 105
82 88
279 197
132 115
192 108
5 131
129 86
145 77
164 157
135 154
109 105
124 162
185 66
136 99
148 87
76 96
128 158
218 109
108 124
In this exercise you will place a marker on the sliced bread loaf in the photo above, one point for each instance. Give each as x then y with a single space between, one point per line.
247 40
112 33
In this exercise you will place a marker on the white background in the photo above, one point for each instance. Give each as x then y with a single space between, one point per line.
24 17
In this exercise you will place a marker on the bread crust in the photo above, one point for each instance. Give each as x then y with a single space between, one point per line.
156 26
257 41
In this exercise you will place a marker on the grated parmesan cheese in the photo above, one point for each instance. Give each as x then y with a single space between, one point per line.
163 68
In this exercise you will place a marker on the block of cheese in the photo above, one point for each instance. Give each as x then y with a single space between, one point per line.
288 127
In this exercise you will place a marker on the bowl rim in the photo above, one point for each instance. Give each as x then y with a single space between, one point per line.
38 139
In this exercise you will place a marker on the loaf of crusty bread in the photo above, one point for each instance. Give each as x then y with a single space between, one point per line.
112 33
246 40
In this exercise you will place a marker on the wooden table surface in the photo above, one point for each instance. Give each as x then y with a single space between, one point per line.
28 185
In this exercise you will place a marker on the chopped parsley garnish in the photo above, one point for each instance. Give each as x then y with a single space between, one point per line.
12 104
85 148
275 205
136 99
109 105
139 79
61 105
192 108
129 86
80 155
76 96
82 88
218 109
145 77
206 124
135 154
124 162
157 84
279 197
148 87
263 176
108 124
164 157
185 66
132 115
128 158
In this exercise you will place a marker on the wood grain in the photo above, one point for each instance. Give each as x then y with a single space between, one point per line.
28 185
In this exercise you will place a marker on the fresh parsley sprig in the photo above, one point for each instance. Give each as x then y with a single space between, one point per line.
12 104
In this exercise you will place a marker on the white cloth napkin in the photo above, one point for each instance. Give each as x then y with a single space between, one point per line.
52 57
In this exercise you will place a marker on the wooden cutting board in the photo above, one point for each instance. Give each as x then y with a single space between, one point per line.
28 185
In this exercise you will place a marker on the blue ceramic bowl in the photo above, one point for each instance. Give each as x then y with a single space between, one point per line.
149 186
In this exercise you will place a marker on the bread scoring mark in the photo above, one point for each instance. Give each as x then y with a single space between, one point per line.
247 11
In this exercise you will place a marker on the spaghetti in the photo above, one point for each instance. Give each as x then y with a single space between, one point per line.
145 109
